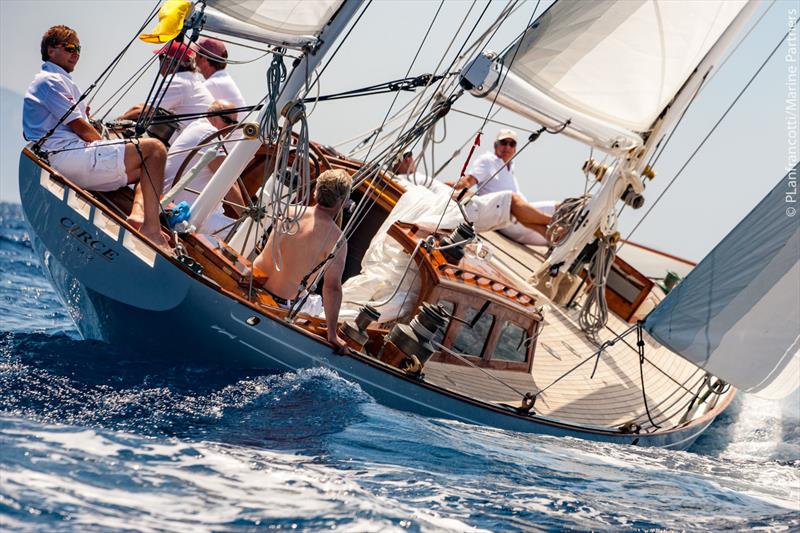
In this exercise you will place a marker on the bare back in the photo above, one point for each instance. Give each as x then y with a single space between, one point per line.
297 254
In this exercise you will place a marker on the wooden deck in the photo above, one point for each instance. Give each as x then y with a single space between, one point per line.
610 399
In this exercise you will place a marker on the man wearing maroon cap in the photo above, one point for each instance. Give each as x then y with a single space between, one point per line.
186 93
211 61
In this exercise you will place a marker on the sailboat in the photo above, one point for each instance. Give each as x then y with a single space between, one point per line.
443 316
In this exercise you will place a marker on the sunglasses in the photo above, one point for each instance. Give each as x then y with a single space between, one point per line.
72 48
508 142
228 120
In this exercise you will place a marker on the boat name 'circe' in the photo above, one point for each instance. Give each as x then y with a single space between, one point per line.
87 239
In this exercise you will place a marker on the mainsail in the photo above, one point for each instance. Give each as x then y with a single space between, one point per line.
609 67
290 23
737 314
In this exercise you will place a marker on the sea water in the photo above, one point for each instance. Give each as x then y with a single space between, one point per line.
96 437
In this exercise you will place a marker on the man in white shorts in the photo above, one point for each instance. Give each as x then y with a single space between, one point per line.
191 137
75 149
211 62
185 94
493 173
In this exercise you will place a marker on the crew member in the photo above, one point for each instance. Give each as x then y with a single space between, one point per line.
185 93
192 136
494 172
288 260
75 148
211 60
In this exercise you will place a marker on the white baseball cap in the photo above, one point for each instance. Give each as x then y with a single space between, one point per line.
506 134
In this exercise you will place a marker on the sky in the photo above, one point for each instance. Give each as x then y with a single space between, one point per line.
739 164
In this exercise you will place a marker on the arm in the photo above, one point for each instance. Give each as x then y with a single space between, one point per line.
84 130
332 298
461 187
466 182
133 113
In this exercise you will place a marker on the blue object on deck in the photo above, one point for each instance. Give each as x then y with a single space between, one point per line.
178 214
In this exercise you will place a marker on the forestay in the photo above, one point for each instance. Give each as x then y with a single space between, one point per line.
737 314
290 23
619 61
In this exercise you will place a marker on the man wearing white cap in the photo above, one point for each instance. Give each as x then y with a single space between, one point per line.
211 61
493 172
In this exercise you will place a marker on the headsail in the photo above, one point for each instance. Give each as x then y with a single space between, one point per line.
290 23
737 314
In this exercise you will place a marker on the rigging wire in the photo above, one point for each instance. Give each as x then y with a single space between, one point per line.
373 168
708 135
120 93
445 105
338 47
119 57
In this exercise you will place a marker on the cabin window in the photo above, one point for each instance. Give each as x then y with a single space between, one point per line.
511 345
470 341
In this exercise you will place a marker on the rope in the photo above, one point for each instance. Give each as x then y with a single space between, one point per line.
640 345
289 201
594 313
276 74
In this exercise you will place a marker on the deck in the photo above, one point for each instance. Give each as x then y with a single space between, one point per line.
612 398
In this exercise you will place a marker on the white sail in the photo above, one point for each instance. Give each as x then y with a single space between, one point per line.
737 314
620 61
291 23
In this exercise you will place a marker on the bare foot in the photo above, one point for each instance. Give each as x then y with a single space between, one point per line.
160 241
135 223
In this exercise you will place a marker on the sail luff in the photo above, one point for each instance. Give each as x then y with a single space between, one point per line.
683 98
737 314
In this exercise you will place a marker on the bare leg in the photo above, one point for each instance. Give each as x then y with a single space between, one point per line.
147 168
529 216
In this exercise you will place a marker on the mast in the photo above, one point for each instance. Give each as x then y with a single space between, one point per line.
238 158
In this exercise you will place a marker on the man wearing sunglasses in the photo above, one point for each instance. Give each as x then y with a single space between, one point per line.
75 149
493 174
191 137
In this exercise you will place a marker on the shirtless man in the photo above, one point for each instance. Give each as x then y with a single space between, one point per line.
303 250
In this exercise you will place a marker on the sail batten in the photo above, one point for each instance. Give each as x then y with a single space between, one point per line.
737 314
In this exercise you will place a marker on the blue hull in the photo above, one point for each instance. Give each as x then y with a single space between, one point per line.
120 291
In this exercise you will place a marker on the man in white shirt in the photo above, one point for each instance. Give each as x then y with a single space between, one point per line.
75 149
192 136
186 93
211 61
493 172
